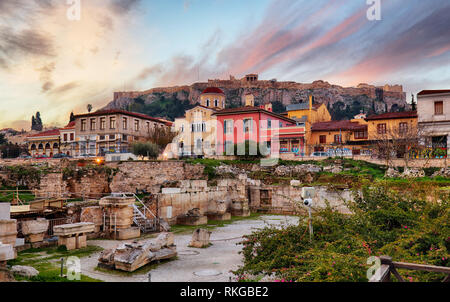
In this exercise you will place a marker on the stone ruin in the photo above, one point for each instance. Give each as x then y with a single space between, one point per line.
192 217
200 238
73 236
218 211
34 230
7 252
8 231
132 256
240 207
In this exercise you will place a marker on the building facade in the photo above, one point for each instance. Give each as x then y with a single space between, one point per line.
433 108
112 131
44 143
248 123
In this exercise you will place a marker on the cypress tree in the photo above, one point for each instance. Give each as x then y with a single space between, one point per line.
39 125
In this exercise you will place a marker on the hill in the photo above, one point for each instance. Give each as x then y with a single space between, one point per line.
342 102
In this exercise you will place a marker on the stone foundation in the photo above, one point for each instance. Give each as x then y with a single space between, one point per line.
8 231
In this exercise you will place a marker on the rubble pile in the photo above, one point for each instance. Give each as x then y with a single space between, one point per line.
132 256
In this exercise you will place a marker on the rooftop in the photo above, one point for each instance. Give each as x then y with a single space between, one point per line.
53 132
124 112
301 106
392 115
251 109
337 126
430 92
214 90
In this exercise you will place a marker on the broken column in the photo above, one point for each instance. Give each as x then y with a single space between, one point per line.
73 236
217 210
200 238
8 231
132 256
34 230
118 217
192 217
239 207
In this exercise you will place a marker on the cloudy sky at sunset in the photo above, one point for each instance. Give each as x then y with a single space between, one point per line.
53 65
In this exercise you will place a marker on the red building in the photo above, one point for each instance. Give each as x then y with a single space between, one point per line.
258 124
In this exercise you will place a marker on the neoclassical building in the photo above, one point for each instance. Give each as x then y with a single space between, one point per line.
197 129
44 143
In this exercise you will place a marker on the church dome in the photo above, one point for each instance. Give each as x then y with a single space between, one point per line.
214 90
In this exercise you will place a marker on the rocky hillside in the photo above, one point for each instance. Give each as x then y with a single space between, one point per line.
342 102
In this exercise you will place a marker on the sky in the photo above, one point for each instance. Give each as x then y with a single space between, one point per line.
54 64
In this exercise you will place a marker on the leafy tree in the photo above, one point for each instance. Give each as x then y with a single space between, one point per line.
413 103
39 125
278 107
145 149
3 139
89 107
72 117
33 123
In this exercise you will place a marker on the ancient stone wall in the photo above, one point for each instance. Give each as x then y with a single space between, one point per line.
150 176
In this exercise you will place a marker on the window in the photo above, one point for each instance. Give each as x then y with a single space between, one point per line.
83 125
248 125
65 137
136 125
102 137
381 128
228 126
112 136
216 103
439 108
112 122
338 138
360 134
323 139
403 128
125 137
102 123
72 136
207 103
203 127
281 125
93 124
125 123
229 148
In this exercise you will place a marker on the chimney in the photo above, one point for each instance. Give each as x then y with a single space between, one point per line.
249 100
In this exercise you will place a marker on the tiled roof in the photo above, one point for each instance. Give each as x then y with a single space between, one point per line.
302 106
428 92
70 125
120 111
392 115
337 125
53 132
213 90
251 109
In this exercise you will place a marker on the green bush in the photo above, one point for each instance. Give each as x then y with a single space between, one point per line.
145 149
383 222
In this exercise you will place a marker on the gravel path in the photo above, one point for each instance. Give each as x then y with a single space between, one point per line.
212 264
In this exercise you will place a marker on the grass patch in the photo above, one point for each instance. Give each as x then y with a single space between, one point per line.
43 259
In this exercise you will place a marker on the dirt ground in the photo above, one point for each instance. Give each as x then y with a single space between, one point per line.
212 264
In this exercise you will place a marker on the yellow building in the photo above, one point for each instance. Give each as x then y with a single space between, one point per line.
392 125
338 138
45 143
197 130
308 112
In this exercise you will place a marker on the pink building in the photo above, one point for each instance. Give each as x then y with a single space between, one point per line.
237 125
